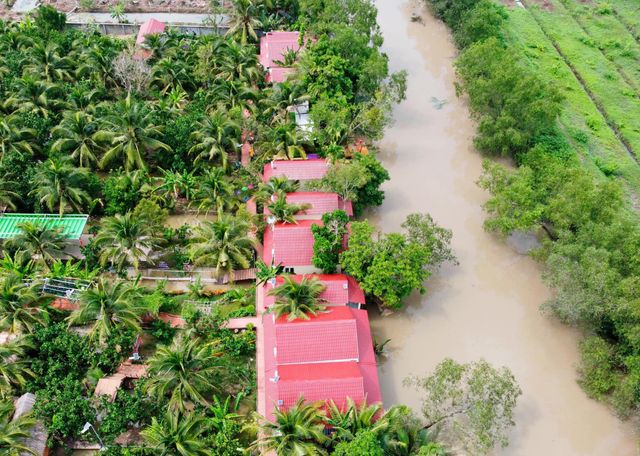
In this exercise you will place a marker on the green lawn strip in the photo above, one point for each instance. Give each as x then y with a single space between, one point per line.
611 37
626 11
585 127
613 95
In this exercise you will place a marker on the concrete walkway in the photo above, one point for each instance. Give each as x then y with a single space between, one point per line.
24 6
139 18
243 322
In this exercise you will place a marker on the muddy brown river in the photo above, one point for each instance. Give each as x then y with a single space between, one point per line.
488 306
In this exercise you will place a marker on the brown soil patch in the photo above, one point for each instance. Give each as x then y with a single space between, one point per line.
543 4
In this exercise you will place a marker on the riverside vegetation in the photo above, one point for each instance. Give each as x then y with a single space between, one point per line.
548 96
85 126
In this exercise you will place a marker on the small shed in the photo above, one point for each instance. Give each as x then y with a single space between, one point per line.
151 27
71 225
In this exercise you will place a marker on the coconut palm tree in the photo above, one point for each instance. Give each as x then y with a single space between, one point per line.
124 240
216 136
297 431
109 305
403 434
131 135
353 418
33 95
21 306
239 62
285 212
187 371
274 186
243 22
13 433
16 139
177 434
14 369
76 135
58 186
42 243
18 263
297 299
44 60
215 192
224 244
7 196
96 63
176 184
284 141
168 74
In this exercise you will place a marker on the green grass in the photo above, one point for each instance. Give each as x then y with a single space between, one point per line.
584 126
600 76
626 11
611 37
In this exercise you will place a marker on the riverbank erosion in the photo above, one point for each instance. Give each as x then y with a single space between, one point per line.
488 306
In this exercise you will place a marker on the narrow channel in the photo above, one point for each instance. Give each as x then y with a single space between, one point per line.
488 306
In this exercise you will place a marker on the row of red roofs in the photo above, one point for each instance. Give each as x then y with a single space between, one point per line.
330 356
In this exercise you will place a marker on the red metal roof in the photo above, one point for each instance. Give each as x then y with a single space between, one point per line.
317 382
320 202
320 374
289 244
273 45
340 289
302 170
317 341
151 27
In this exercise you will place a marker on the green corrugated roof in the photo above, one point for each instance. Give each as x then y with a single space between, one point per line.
72 225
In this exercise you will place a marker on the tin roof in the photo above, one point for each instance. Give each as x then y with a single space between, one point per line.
289 244
151 27
71 225
340 289
303 170
320 202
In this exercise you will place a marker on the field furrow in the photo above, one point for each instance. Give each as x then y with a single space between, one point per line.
627 12
612 95
581 121
612 38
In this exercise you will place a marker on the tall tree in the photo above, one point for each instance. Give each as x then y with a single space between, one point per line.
58 186
14 367
243 21
21 305
76 135
224 244
107 306
215 192
187 372
177 434
472 403
44 60
216 137
13 433
42 243
125 240
131 133
14 138
297 299
286 212
297 431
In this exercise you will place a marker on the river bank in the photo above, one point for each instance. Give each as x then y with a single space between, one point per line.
488 307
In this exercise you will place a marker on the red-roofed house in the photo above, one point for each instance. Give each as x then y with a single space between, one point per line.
296 170
151 27
290 245
320 202
340 290
273 46
328 357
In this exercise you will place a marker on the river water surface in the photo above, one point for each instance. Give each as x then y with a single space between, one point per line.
488 306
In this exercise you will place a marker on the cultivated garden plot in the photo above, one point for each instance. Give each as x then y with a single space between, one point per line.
612 93
582 123
610 36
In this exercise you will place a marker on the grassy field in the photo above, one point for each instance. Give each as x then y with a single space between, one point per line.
584 125
616 98
627 12
611 36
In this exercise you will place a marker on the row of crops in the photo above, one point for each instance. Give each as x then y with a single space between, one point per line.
592 56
